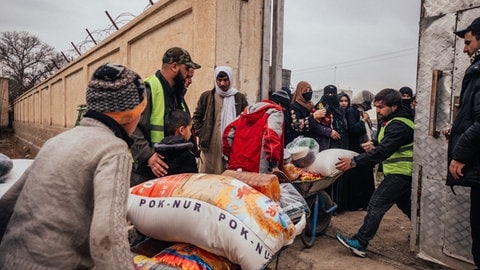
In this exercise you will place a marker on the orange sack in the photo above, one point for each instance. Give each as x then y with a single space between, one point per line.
184 256
265 183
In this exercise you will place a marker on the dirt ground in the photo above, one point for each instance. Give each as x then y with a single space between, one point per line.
11 147
388 250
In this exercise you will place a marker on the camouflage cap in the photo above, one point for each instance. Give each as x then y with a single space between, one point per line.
180 56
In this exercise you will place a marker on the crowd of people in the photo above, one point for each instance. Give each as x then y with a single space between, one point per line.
147 123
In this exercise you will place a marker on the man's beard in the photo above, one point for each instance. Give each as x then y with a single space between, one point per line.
178 80
179 86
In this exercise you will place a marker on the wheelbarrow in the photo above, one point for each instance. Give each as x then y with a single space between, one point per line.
319 202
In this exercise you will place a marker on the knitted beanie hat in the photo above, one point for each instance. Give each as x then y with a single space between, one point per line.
288 90
281 97
114 88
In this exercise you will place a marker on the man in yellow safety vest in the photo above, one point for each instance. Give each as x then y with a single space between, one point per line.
394 150
165 92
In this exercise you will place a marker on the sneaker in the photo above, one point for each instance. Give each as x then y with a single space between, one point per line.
352 244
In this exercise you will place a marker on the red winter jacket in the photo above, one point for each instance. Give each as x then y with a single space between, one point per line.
254 141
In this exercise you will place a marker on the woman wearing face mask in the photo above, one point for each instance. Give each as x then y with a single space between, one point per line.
301 118
335 119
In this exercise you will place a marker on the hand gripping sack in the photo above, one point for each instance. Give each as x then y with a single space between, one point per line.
324 163
217 213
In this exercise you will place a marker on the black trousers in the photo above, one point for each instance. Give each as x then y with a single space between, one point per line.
394 189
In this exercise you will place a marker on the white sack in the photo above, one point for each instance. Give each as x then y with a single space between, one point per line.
324 162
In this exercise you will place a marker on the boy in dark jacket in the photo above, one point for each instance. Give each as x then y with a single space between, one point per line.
177 149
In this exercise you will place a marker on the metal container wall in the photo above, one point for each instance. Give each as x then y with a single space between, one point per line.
441 230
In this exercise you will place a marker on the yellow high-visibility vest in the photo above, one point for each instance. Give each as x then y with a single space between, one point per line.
400 162
157 116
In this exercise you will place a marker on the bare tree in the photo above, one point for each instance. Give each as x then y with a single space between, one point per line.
25 61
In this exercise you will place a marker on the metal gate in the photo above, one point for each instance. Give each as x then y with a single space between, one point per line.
441 227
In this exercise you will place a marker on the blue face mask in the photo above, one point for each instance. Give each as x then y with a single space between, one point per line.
307 95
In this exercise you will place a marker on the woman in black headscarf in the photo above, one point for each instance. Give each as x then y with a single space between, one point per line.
335 118
360 180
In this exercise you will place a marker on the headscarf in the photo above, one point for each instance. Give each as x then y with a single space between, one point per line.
228 109
363 100
330 98
407 102
301 88
330 101
343 94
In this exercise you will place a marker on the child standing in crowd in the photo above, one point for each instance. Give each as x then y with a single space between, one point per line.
177 149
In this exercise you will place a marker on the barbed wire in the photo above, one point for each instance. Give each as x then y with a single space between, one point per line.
98 35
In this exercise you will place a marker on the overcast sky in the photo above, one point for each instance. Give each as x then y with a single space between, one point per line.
356 45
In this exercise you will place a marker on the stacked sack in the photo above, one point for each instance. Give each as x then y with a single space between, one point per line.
217 213
183 256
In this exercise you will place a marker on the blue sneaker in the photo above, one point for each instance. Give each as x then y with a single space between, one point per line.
352 244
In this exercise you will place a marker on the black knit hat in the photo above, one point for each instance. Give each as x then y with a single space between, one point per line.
281 97
114 88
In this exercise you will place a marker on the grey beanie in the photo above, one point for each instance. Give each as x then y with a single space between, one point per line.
281 97
114 88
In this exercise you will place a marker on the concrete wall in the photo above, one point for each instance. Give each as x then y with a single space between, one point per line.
215 32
